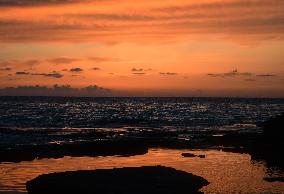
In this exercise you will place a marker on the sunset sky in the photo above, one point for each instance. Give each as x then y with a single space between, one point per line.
143 48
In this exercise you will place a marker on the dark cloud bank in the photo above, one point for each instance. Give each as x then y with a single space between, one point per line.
236 73
167 73
96 68
6 69
12 3
76 70
63 60
53 74
56 90
140 71
22 73
137 70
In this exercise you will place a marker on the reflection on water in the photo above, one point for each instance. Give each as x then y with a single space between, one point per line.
49 120
226 172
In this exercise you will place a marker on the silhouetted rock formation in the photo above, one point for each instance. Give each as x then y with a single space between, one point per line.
130 180
189 155
274 179
96 148
269 146
273 129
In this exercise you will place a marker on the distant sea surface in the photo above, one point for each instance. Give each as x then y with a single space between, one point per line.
48 120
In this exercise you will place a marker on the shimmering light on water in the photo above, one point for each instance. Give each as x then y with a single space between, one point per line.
44 112
226 172
54 119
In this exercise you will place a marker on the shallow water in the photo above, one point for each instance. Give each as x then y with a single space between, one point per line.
227 172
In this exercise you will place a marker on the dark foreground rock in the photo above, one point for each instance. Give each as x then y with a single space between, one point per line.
190 155
273 128
92 149
274 179
266 146
130 180
269 146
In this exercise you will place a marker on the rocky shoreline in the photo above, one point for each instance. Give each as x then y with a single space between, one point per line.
266 146
261 146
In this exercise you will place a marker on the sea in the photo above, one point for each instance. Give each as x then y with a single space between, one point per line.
36 121
49 120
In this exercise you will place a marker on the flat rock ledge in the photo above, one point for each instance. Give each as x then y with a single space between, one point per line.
129 180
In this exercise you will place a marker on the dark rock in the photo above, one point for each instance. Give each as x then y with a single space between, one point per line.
273 129
92 149
274 179
130 180
269 145
190 155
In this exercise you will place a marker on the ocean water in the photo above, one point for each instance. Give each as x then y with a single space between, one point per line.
45 120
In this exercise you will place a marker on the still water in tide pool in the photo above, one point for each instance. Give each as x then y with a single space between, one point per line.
227 172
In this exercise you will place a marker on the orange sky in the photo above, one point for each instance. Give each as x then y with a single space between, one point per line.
158 47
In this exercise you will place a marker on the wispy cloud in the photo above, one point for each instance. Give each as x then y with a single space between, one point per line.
171 19
21 3
265 75
139 73
31 63
233 73
6 69
96 68
137 69
104 59
22 73
10 64
56 90
53 74
168 73
63 60
76 70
